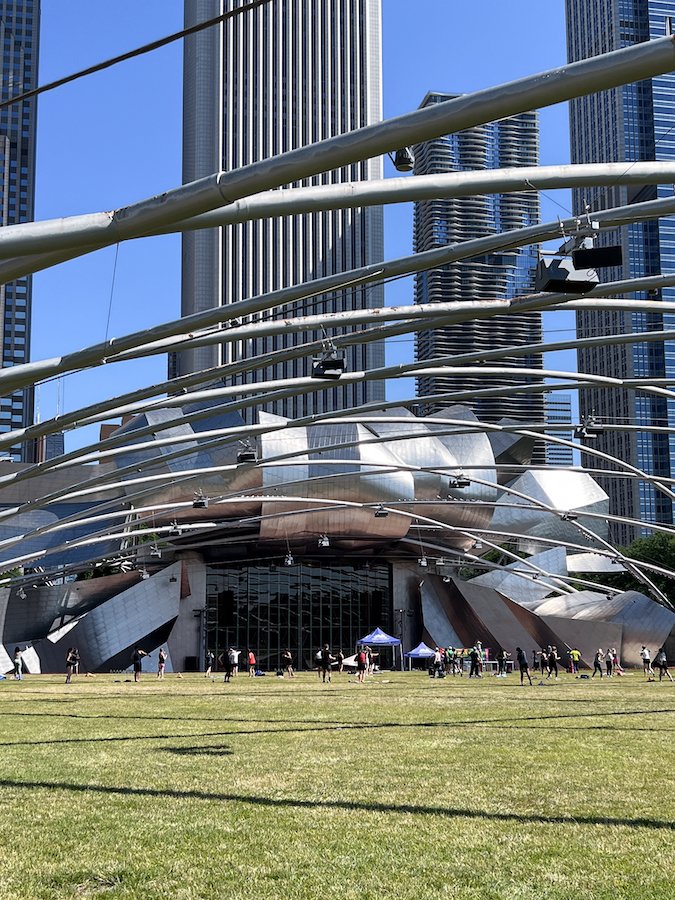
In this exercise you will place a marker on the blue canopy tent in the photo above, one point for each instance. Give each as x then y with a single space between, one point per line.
421 651
379 638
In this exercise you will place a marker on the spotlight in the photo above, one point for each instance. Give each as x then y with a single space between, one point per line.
381 512
175 530
423 562
588 428
324 541
22 593
247 454
446 579
478 545
403 160
155 552
200 501
459 481
569 517
144 574
288 559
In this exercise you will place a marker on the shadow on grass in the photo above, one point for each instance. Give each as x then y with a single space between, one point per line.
352 805
211 750
510 721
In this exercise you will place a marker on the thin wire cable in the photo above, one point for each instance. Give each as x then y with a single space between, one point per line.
112 291
131 54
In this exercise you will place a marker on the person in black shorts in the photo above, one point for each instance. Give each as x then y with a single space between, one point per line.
522 664
137 657
325 661
361 665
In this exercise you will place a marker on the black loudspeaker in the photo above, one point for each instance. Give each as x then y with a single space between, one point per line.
560 276
597 257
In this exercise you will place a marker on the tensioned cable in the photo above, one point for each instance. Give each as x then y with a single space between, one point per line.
131 54
112 291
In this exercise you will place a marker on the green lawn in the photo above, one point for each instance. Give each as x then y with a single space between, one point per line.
403 787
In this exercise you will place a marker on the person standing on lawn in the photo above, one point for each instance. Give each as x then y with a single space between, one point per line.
553 661
597 662
209 660
646 657
161 663
287 663
361 665
325 663
661 663
521 656
70 664
251 663
137 659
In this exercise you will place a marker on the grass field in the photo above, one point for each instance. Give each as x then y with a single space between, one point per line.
403 787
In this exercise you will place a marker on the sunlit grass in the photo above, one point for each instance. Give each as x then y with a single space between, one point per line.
404 787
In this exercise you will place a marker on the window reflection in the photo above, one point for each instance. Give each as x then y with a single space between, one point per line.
300 607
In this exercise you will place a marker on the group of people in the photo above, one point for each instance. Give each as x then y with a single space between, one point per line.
660 661
446 661
611 659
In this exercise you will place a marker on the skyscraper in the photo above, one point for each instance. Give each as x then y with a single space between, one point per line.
634 122
281 76
559 412
19 30
509 142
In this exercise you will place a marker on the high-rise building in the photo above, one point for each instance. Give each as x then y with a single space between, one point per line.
506 274
282 76
559 412
634 122
19 31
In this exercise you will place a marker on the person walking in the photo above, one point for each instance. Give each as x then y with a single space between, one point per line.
225 660
597 662
325 663
661 663
287 663
209 659
70 664
251 663
137 659
543 660
646 656
18 664
521 656
340 657
575 659
161 663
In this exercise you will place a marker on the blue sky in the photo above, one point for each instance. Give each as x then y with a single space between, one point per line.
115 137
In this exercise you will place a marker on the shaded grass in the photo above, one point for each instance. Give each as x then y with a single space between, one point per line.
400 788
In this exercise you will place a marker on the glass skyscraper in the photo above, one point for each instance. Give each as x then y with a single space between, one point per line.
634 122
284 75
559 412
19 31
507 274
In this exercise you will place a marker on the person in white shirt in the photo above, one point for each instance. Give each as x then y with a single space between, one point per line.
646 661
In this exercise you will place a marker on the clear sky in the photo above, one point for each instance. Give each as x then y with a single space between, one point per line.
115 137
